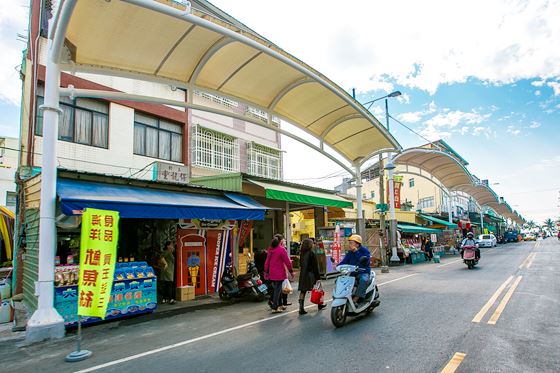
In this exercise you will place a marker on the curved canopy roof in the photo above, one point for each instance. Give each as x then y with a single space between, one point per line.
153 41
443 166
453 175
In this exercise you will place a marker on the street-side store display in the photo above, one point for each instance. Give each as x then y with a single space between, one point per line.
133 292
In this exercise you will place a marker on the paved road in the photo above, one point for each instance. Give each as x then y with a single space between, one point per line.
425 319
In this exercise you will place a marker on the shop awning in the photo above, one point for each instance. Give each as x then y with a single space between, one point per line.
416 229
136 202
438 221
298 195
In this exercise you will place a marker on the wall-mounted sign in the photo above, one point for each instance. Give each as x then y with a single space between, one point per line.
170 173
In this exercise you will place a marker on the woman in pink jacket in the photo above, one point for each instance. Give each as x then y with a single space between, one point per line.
277 261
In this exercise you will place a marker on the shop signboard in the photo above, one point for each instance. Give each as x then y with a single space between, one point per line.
336 245
206 224
171 173
98 246
396 191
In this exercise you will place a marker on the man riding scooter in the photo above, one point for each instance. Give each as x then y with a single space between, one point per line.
352 257
470 241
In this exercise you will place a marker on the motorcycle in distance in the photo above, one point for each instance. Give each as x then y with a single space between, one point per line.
248 285
344 288
469 256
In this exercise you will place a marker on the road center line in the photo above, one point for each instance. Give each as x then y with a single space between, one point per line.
491 301
207 336
533 255
504 302
454 363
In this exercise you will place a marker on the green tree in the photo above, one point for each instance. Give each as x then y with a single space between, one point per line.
549 223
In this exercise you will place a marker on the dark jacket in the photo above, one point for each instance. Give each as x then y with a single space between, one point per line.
308 271
353 258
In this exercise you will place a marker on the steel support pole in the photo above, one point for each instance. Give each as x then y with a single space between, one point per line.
382 230
393 221
46 322
288 229
449 206
360 223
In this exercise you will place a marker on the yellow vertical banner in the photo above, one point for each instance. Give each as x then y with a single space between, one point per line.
98 252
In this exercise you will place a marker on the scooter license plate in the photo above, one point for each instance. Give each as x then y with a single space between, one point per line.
262 288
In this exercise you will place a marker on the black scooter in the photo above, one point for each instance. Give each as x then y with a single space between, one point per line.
248 285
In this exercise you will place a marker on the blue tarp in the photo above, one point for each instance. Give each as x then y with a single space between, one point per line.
136 202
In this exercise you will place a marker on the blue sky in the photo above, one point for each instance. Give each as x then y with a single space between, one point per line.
484 76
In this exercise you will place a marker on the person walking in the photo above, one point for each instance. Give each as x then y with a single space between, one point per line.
277 261
428 248
308 273
282 240
168 272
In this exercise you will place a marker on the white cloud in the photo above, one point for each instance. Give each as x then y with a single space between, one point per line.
13 21
555 87
537 93
534 125
453 118
538 83
411 117
514 131
510 40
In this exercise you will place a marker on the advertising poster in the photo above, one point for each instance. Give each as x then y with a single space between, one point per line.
98 248
202 255
336 245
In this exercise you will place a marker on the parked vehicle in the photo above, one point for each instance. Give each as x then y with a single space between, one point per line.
344 289
487 240
529 237
469 256
248 285
511 236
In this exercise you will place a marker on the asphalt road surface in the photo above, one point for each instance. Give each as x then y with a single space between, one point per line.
502 316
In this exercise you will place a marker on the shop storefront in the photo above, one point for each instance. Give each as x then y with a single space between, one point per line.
202 223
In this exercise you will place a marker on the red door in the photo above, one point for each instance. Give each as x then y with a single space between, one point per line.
191 248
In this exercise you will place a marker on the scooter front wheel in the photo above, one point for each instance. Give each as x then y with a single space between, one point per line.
338 315
224 295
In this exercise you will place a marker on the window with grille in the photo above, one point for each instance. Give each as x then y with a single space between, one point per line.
82 121
411 182
215 150
426 202
264 161
157 138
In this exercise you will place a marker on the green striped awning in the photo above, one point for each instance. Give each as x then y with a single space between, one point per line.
438 221
406 228
300 195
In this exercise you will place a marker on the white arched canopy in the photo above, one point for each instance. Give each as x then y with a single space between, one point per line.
153 41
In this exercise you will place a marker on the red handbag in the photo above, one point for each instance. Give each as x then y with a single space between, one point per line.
317 294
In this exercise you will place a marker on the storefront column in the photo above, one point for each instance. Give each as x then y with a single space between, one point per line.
320 218
360 223
449 208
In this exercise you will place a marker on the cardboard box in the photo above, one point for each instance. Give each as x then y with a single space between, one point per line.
185 293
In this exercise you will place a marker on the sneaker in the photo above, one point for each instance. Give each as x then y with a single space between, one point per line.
283 308
164 301
172 301
276 311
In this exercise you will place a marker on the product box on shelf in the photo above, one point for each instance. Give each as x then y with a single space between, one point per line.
134 292
185 293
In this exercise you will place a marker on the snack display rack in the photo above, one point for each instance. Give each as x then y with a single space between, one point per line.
134 292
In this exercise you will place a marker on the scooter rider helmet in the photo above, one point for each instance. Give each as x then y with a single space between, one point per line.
470 234
356 238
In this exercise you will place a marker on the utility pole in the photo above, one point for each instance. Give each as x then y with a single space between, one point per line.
384 267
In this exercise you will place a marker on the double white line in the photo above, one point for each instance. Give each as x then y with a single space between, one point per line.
494 318
528 261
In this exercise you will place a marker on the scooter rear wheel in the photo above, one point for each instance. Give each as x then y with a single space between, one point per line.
338 315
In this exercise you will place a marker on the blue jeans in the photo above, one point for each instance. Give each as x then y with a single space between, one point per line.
363 279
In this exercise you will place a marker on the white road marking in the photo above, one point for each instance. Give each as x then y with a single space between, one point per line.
207 336
453 262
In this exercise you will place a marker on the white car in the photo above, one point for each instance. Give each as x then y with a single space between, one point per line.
486 240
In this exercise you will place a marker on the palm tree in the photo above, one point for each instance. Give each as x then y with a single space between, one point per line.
531 224
549 223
